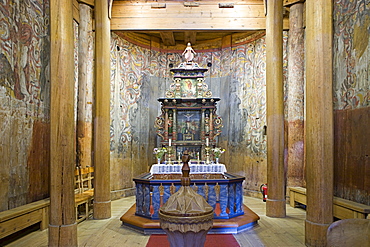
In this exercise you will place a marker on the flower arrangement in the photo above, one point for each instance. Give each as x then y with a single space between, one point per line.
159 152
218 151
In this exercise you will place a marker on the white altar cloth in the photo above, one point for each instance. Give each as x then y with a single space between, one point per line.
194 168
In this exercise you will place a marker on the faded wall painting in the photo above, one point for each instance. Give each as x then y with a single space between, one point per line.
24 102
351 52
141 75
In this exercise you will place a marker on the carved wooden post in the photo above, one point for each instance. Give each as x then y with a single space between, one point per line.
166 125
295 98
202 125
319 121
102 202
275 205
62 226
84 125
174 125
211 124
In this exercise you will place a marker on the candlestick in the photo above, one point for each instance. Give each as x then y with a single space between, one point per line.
169 142
207 142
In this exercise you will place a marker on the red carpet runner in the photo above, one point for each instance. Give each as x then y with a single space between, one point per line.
212 240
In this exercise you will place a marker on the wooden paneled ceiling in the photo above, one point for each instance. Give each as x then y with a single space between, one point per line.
176 23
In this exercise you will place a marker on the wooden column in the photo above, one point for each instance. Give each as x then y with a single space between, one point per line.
319 121
84 125
102 202
275 204
62 224
295 98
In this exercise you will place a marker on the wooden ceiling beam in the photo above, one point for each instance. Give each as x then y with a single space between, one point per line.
88 2
206 17
184 24
190 37
168 38
291 2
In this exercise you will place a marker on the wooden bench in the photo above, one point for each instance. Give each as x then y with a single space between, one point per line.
342 208
16 219
84 192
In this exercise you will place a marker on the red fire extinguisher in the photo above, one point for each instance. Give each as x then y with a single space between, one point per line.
263 189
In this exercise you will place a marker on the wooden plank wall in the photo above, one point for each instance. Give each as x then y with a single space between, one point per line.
24 104
352 156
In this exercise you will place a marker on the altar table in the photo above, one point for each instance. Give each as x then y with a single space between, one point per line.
195 168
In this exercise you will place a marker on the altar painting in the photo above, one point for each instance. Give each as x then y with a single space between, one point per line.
188 88
188 125
193 151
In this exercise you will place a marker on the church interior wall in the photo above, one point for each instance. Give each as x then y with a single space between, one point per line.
351 87
236 75
24 102
140 75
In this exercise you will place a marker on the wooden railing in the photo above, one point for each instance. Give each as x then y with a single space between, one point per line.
225 194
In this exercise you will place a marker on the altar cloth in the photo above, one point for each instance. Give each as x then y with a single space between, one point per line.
194 168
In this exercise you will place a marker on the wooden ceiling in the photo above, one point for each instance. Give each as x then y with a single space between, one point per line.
176 23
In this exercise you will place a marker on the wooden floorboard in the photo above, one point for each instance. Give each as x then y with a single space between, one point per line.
285 232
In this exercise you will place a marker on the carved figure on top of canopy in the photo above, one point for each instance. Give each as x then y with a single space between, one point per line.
189 53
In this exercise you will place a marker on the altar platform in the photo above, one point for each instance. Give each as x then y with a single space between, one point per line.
222 190
220 226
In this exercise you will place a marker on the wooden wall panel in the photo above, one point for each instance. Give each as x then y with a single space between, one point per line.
352 150
38 162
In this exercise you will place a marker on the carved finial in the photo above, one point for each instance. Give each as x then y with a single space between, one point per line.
185 180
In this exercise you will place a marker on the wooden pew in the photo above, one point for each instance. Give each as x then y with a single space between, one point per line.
84 192
16 219
342 208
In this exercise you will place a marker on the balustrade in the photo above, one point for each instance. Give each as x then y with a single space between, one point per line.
225 194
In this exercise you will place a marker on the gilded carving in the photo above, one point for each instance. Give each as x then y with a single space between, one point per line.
217 190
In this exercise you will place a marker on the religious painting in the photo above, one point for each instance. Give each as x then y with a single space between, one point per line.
188 125
193 151
188 88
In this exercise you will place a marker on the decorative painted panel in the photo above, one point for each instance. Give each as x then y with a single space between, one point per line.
351 54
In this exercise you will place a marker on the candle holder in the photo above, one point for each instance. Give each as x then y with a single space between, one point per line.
169 151
207 150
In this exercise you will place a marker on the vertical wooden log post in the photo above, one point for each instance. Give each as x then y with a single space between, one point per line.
275 204
295 98
84 125
102 201
319 121
62 224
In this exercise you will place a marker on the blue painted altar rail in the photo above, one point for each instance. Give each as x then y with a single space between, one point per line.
224 195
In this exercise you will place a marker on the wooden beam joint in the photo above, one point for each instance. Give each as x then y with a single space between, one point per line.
168 38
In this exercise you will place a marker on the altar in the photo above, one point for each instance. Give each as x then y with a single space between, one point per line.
195 168
189 122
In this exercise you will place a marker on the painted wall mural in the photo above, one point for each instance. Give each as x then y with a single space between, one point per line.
351 89
351 54
140 76
24 101
245 64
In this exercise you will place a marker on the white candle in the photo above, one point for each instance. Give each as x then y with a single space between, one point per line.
169 142
207 142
